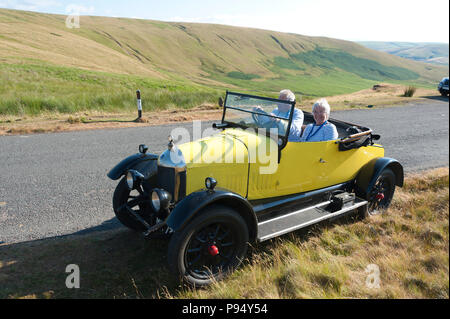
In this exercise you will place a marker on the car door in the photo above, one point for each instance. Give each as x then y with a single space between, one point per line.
294 173
307 166
336 166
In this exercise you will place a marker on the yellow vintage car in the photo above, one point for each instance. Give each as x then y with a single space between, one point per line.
249 183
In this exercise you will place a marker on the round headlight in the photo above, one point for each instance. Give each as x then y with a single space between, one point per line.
160 199
156 202
134 178
130 181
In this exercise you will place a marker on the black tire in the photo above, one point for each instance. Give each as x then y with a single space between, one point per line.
381 195
189 252
122 196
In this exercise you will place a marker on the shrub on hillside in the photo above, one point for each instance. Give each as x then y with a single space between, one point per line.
409 91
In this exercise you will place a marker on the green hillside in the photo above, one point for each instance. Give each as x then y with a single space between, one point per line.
46 66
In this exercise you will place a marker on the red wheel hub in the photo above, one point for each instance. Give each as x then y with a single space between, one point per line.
380 196
213 250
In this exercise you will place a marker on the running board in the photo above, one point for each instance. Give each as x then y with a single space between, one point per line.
302 218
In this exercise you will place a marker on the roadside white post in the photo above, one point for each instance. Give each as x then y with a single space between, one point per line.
139 104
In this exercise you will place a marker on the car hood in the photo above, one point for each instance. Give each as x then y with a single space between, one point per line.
228 146
223 156
218 148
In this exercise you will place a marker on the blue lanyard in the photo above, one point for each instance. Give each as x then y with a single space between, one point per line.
310 136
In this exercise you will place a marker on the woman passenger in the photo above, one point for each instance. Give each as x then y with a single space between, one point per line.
322 130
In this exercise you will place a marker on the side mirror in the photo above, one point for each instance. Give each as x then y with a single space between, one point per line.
220 102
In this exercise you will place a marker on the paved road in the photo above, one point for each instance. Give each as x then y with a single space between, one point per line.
56 184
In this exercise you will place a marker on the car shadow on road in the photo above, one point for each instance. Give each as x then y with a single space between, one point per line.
437 98
112 263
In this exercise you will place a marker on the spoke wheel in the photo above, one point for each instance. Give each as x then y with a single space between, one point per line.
210 250
381 195
123 200
210 247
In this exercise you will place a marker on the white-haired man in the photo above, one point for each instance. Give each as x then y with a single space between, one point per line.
322 130
283 111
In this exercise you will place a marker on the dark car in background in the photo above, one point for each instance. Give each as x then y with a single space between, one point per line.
443 87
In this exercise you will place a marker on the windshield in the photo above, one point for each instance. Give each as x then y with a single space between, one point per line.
257 112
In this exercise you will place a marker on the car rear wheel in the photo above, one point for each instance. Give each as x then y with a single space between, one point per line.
381 194
210 247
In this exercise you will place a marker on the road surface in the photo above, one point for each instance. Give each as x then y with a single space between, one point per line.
56 184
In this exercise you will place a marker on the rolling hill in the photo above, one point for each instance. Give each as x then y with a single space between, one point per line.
436 53
46 66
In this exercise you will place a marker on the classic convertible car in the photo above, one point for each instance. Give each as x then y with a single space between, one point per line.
247 183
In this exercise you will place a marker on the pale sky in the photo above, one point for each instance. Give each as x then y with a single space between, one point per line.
354 20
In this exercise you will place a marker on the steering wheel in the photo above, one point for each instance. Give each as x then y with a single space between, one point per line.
269 124
257 117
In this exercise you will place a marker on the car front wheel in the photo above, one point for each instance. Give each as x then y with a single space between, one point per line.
124 199
210 247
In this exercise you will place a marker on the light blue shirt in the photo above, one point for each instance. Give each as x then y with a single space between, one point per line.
328 132
296 125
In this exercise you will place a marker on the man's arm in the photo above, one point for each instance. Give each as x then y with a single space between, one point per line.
261 117
296 126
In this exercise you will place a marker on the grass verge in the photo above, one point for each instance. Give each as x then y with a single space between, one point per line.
408 244
36 89
382 95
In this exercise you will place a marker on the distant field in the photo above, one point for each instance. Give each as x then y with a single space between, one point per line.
436 53
46 67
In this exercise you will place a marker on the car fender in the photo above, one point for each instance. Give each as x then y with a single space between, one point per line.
146 164
193 204
369 173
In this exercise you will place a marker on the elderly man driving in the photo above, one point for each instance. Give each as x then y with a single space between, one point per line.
322 130
283 110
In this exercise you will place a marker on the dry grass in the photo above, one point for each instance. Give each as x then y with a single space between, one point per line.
409 91
381 95
384 96
409 244
50 123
